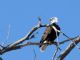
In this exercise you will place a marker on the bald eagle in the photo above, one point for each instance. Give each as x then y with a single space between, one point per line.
50 34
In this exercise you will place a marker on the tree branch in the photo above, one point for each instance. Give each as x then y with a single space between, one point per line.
69 49
7 49
26 37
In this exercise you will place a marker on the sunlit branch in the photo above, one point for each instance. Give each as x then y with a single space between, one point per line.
26 37
69 48
6 49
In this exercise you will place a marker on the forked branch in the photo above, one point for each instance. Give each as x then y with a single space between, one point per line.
69 48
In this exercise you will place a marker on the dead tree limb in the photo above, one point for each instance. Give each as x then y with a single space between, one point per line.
8 49
27 37
68 49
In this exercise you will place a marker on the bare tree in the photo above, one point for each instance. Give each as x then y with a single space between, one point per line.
19 43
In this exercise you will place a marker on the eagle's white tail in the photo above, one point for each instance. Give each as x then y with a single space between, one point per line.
43 47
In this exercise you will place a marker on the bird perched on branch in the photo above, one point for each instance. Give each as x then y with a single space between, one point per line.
50 34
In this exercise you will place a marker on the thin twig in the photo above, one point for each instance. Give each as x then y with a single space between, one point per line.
54 55
8 33
34 54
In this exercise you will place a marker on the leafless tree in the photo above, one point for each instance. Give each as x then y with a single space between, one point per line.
19 43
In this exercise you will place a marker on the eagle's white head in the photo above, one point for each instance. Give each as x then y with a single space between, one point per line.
53 20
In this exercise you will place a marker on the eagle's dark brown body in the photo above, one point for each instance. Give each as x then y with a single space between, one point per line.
49 35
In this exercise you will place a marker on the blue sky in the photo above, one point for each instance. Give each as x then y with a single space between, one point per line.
21 16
